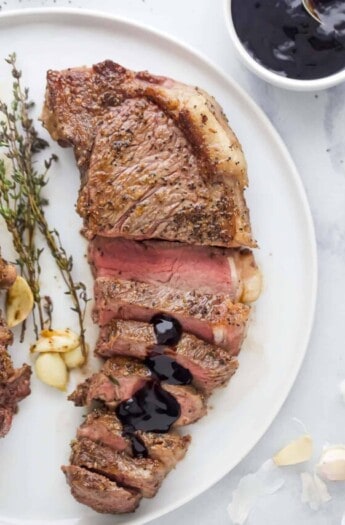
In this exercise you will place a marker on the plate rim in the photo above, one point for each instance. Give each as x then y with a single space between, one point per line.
93 14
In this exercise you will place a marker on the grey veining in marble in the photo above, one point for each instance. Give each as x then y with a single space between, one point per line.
313 128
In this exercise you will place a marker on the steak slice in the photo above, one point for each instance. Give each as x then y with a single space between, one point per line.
210 366
118 380
157 157
213 318
104 427
16 388
107 386
6 416
143 474
8 274
182 267
99 492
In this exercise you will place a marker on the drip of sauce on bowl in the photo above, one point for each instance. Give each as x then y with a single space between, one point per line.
284 38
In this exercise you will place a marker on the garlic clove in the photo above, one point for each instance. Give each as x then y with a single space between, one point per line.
51 370
56 341
74 358
332 463
19 302
298 451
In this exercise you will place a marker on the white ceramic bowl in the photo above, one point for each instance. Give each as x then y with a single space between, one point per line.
270 76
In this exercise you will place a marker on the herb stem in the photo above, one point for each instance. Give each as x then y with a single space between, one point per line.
22 205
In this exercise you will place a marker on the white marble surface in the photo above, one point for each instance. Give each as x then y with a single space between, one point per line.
313 127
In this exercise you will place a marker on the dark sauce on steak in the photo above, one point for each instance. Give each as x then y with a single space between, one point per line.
166 369
138 447
168 330
151 409
283 37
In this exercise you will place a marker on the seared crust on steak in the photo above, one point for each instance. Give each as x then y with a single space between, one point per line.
143 474
211 367
99 492
212 318
157 157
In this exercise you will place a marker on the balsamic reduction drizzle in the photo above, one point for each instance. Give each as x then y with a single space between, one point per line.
166 369
138 447
153 409
283 37
168 330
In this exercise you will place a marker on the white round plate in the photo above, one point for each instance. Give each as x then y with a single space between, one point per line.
32 487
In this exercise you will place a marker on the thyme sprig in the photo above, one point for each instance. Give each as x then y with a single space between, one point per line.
22 204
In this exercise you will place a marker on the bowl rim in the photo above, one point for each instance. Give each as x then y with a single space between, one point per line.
270 76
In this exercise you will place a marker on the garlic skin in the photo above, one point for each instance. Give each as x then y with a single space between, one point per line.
332 463
298 451
265 481
342 393
314 491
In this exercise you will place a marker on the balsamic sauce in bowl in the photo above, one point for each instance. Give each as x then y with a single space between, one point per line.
281 36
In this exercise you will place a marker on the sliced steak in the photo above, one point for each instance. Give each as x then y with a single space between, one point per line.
210 366
6 365
157 157
118 380
213 318
6 416
16 388
6 336
168 448
105 428
8 274
14 383
102 426
143 474
99 492
182 267
107 386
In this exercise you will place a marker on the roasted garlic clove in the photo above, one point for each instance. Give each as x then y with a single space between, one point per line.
19 302
74 358
296 452
56 341
332 463
51 370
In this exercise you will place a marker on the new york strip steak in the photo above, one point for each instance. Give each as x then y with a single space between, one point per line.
162 201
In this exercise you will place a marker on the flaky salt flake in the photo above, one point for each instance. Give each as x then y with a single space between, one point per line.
251 487
332 463
342 392
314 491
298 451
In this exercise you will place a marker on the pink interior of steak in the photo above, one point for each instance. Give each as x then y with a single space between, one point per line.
180 266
